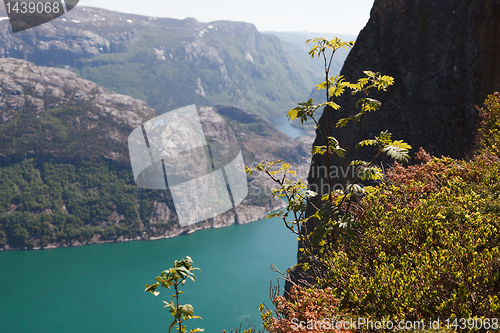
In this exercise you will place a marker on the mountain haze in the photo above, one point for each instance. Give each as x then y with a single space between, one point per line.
295 44
167 63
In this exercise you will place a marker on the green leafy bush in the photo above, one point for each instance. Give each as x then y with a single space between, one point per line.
488 134
176 277
421 245
426 245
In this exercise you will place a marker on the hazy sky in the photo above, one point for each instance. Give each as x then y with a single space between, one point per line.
328 16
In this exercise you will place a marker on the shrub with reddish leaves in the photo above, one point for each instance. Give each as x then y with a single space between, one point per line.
426 246
311 310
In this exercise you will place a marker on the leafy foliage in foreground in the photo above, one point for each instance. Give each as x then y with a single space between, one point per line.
488 134
176 277
425 246
314 310
421 245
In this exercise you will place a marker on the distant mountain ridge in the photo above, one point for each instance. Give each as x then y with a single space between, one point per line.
166 62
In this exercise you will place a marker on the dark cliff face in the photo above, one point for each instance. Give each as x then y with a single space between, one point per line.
444 57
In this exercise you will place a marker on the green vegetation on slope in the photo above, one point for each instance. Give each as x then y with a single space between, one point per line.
425 245
422 245
68 132
46 202
232 70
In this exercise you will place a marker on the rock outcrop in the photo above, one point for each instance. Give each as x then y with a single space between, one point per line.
444 57
25 85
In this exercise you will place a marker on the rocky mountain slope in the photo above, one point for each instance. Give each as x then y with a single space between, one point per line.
65 175
168 63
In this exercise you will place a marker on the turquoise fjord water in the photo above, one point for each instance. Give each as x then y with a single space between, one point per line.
284 125
100 288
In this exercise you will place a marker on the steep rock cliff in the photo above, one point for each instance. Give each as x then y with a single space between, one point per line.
444 57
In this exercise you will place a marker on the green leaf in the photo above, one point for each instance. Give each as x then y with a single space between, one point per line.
318 150
384 138
151 288
371 142
370 173
340 152
397 153
369 74
322 85
310 194
342 122
368 104
333 105
302 111
320 232
354 189
347 221
324 44
358 162
401 144
292 114
186 309
335 147
384 82
327 211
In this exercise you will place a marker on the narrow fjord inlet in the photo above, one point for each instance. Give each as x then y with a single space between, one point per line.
100 288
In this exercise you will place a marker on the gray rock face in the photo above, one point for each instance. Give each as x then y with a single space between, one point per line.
23 84
198 52
444 57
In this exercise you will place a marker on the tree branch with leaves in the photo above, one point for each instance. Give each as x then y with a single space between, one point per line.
176 277
334 213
